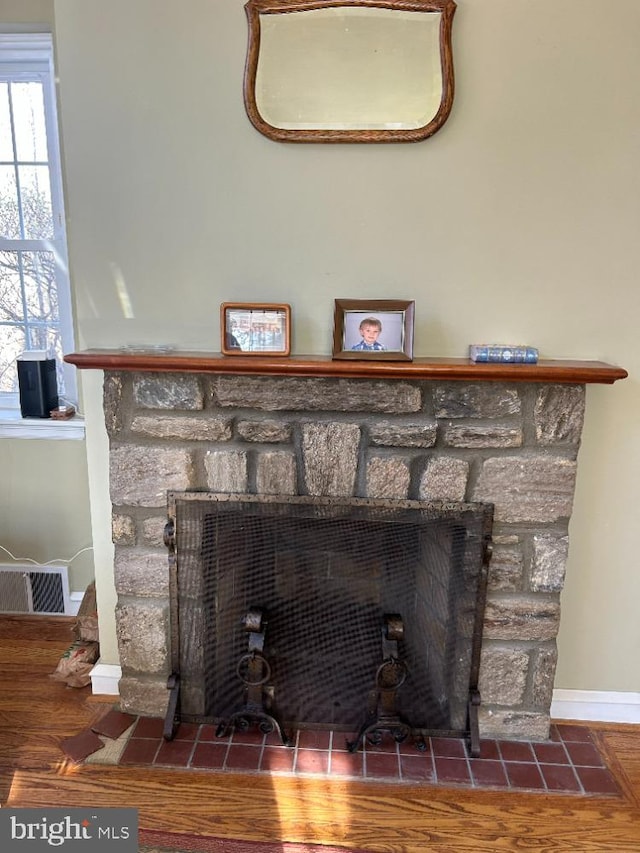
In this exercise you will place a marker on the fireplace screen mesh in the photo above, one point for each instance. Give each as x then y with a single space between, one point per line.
325 576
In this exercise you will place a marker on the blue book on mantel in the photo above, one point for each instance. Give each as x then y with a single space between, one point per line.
503 353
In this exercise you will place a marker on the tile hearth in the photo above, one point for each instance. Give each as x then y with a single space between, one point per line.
570 762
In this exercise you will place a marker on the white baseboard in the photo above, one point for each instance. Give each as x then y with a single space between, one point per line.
596 706
75 600
105 678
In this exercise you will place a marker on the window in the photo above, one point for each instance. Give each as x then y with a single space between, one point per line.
35 303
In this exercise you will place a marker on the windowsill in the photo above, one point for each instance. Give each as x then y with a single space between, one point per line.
13 425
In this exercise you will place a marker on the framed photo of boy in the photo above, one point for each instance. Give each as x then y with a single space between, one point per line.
373 329
260 328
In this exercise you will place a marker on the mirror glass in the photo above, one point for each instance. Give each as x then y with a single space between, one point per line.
353 71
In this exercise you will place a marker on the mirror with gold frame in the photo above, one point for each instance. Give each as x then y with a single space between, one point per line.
349 70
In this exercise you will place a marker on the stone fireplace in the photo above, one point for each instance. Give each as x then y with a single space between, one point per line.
439 430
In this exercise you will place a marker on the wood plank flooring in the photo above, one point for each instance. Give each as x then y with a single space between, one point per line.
36 713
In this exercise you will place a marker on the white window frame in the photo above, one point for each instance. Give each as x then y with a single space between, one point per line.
30 56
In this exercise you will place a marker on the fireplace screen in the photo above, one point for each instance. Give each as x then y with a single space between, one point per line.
329 611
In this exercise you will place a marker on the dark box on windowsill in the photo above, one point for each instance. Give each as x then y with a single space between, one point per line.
38 387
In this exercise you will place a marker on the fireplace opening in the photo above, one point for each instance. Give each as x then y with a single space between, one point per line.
357 615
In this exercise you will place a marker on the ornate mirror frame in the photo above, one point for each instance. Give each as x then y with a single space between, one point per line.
256 8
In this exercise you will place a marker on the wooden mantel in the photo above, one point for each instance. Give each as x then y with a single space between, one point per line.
321 366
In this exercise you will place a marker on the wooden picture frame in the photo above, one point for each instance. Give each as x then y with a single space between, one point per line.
373 329
255 328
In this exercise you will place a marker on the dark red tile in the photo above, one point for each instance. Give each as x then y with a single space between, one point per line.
489 749
174 752
187 731
381 765
113 723
488 773
312 761
452 770
550 753
149 727
524 775
417 768
584 754
554 733
277 759
252 736
79 746
310 739
559 777
209 755
574 733
344 763
243 757
448 747
514 750
209 732
140 751
597 780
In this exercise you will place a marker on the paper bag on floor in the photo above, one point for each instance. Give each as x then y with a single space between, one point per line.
86 626
76 663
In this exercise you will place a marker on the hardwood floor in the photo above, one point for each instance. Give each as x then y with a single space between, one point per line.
37 713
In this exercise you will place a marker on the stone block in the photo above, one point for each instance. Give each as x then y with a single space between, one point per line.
527 488
276 473
141 572
167 391
226 471
444 479
392 434
505 724
476 400
183 428
544 672
503 675
330 458
549 562
559 414
146 697
112 392
506 569
388 477
521 618
142 629
265 431
123 529
153 531
140 475
482 435
309 394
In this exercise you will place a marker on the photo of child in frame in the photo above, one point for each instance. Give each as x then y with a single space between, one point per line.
379 332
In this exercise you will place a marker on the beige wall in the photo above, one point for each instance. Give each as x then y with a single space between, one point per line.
44 500
44 504
517 222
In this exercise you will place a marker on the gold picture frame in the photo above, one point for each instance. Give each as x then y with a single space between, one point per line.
255 328
373 329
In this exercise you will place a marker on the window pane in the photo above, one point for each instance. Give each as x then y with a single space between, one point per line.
6 145
11 306
40 289
9 219
11 345
28 116
35 195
